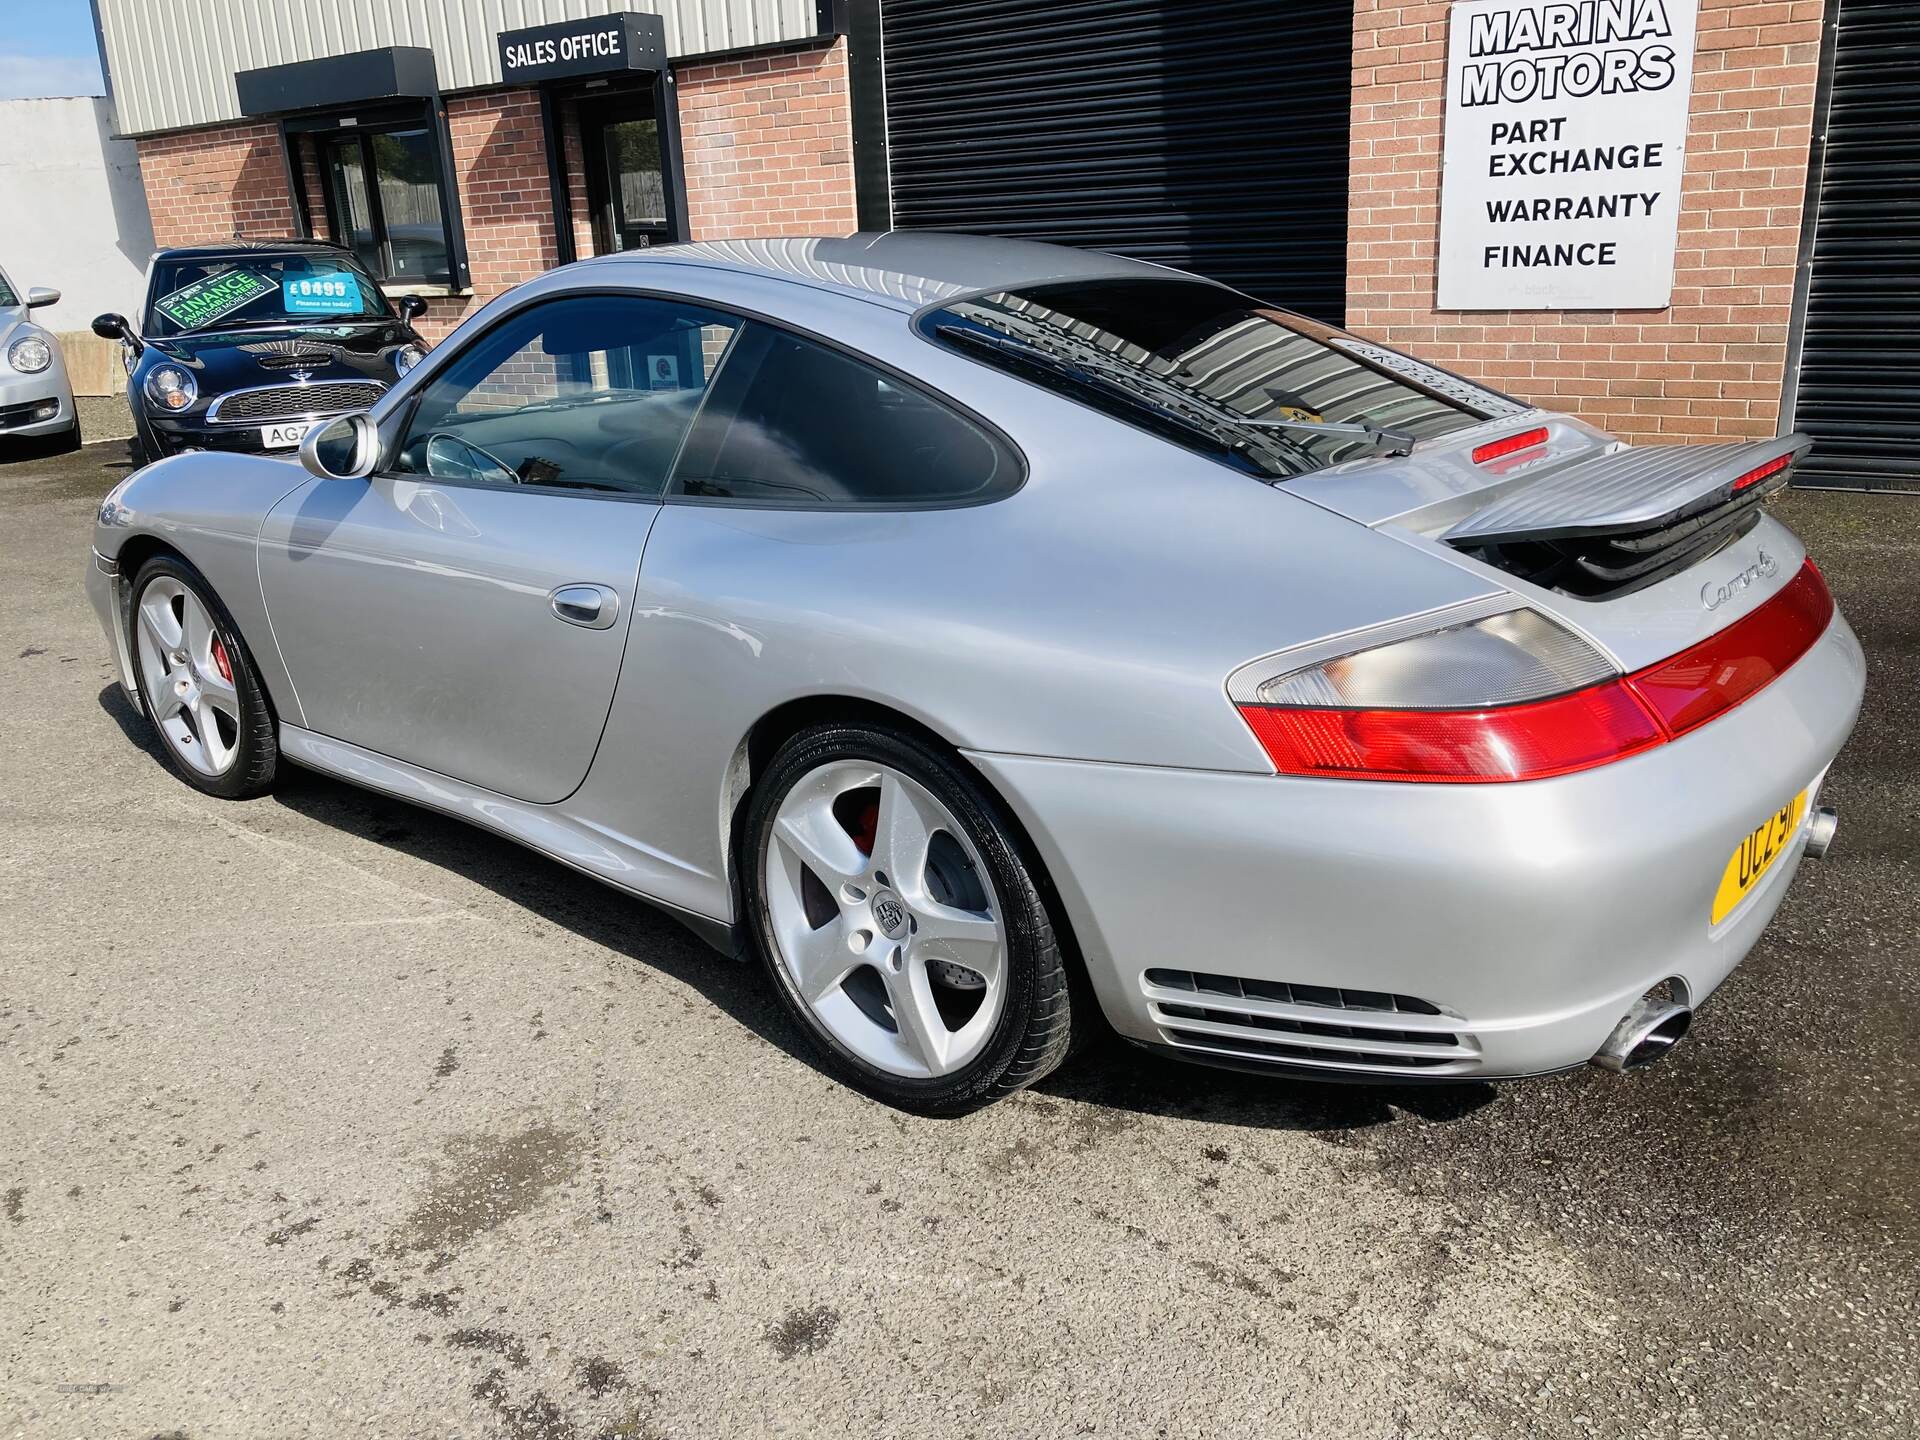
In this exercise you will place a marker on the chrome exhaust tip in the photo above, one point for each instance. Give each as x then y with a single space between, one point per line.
1826 823
1645 1033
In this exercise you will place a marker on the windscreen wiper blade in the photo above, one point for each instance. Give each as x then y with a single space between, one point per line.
1228 427
1005 346
1385 442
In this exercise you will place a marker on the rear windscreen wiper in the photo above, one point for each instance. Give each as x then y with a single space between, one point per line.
1365 432
1385 442
1193 412
1019 351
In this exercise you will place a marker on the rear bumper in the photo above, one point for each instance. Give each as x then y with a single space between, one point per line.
1528 916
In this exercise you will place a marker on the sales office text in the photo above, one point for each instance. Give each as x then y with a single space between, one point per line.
596 44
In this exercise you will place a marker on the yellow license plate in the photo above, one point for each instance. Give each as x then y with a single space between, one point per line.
1755 855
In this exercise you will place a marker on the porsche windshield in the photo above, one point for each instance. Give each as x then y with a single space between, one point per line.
238 292
1267 391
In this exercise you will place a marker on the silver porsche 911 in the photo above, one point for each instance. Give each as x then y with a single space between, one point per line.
998 640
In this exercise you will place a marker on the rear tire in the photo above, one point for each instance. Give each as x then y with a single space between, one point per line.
198 684
902 928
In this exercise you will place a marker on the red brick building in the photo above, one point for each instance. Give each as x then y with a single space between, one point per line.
1713 362
1296 154
758 143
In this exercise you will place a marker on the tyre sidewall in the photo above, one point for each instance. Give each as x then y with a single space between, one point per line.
1030 945
254 762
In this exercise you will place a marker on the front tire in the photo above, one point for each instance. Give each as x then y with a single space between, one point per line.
899 922
198 684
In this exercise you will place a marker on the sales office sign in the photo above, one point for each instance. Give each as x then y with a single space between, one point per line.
1565 141
594 46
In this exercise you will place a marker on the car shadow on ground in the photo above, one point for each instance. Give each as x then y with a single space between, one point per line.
1109 1073
1119 1076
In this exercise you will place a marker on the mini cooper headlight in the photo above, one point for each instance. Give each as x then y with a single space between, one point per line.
406 357
30 356
171 388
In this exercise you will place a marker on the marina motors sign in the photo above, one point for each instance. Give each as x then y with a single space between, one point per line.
1566 131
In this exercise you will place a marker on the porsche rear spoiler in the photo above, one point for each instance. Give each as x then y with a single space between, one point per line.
1632 491
1610 524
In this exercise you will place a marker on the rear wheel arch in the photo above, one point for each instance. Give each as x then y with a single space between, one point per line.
774 729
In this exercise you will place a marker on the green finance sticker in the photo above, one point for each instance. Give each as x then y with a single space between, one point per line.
205 301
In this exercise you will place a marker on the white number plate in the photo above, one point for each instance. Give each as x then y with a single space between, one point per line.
284 437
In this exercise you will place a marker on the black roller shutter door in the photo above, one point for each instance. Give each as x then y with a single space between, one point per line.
1859 384
1212 137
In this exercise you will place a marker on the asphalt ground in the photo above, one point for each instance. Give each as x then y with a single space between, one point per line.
320 1115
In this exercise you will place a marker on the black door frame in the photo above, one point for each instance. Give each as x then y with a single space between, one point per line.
585 96
596 114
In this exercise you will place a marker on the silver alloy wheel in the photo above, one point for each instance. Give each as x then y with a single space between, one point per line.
189 691
896 947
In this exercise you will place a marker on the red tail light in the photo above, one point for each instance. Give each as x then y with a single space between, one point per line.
1710 678
1513 742
1494 449
1552 735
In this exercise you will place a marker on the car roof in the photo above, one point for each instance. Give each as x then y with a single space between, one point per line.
902 268
215 250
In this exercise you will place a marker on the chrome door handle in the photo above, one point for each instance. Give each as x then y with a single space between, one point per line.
594 606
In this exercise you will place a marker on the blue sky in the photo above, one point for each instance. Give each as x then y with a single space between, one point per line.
47 47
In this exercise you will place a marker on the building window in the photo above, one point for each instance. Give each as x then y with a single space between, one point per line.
385 194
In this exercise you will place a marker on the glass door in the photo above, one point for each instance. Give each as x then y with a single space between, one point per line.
625 183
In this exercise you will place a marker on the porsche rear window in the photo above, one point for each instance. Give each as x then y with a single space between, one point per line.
1211 369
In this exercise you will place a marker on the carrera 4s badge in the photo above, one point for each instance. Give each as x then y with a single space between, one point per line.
1713 596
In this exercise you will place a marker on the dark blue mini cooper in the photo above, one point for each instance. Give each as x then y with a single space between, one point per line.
242 346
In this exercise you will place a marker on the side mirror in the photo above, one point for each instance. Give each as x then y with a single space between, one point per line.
40 295
411 307
107 327
344 448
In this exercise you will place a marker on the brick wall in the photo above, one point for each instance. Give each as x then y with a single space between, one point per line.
1710 365
768 145
500 168
207 185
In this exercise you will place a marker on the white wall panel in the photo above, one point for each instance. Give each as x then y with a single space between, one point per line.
172 64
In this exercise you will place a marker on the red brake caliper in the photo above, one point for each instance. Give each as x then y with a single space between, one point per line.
220 661
868 827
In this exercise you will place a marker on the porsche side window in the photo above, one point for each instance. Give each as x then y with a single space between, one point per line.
592 392
791 422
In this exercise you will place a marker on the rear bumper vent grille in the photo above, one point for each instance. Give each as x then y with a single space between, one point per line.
1285 994
1317 1026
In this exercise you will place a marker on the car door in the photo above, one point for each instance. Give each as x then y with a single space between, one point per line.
466 607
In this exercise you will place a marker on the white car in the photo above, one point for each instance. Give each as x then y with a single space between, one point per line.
36 399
